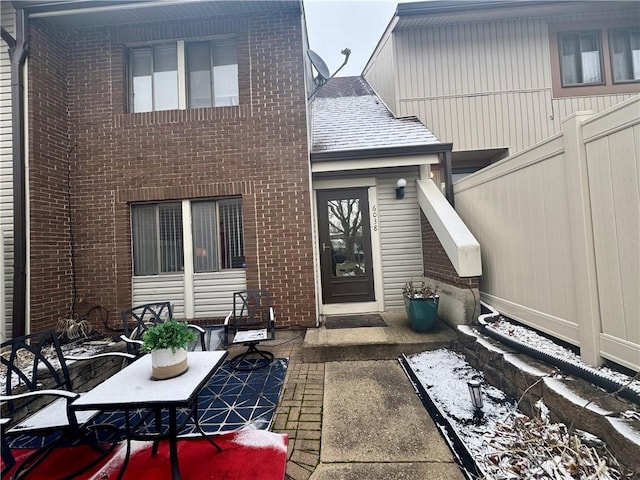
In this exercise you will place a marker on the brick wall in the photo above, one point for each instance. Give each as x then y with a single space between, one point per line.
50 251
257 149
436 262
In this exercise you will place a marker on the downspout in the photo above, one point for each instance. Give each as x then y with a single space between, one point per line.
17 57
448 178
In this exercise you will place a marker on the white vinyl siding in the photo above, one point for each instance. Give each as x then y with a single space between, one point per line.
213 292
7 15
484 85
400 237
381 74
160 288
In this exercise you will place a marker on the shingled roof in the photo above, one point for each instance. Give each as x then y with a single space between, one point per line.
348 115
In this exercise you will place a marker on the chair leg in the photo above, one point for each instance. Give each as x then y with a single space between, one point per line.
41 454
7 456
264 359
33 460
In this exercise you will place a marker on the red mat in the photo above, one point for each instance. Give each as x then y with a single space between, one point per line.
246 455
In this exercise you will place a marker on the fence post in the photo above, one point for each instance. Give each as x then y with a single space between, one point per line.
581 228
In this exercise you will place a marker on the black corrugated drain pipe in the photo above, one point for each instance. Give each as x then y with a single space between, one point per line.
582 371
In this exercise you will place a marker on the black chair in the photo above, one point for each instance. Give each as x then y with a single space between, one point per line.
251 321
36 373
138 319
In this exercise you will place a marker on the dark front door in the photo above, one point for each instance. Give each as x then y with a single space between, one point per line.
345 246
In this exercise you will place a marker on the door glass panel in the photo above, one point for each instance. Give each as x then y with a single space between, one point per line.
345 232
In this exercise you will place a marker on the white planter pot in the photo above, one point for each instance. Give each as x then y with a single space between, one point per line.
166 364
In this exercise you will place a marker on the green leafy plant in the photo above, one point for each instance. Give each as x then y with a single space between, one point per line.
172 334
418 290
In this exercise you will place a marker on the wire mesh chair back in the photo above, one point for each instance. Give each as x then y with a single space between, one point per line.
33 362
138 319
251 309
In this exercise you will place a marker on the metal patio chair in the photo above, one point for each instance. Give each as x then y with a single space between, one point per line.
251 321
138 319
37 372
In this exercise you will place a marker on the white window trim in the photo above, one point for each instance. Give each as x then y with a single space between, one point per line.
187 236
182 76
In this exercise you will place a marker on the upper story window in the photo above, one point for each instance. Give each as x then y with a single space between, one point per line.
212 70
625 55
581 55
180 75
595 57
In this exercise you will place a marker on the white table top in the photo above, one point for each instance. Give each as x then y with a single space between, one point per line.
133 385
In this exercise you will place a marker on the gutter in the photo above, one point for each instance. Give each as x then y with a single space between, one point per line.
17 56
443 7
364 153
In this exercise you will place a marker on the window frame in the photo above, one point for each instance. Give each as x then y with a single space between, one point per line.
182 70
607 87
579 34
187 236
158 242
611 32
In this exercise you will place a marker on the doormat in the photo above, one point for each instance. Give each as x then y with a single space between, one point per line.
354 321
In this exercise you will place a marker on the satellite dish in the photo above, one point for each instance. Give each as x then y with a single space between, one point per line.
320 66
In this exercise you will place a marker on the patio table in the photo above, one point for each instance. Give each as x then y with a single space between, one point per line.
133 388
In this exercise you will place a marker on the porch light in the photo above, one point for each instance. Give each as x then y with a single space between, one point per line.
475 391
400 184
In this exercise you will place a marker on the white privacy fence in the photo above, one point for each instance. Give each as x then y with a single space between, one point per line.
559 229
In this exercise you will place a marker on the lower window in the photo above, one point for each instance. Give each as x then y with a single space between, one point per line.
158 236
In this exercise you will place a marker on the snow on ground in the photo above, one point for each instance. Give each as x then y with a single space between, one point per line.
444 374
536 341
505 443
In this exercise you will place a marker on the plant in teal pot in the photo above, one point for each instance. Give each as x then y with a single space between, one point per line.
421 305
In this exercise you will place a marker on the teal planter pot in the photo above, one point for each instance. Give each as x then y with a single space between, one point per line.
422 312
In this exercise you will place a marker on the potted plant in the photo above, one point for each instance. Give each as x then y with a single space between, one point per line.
167 342
421 305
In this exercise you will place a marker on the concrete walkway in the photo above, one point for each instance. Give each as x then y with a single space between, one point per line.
375 426
356 419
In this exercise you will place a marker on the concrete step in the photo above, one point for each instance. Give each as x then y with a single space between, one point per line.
373 343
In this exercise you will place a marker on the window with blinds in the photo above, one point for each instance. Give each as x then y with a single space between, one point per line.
158 236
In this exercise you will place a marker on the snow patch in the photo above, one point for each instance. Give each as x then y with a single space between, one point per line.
529 337
260 439
115 462
522 365
562 389
623 426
